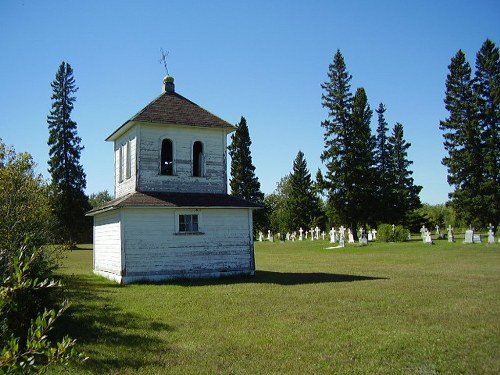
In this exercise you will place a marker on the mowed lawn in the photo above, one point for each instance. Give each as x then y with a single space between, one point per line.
381 309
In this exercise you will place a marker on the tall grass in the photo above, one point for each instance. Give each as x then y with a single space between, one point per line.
381 309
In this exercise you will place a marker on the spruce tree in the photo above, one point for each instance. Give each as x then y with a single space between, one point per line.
243 182
68 178
359 168
487 89
404 194
337 99
462 141
382 169
302 204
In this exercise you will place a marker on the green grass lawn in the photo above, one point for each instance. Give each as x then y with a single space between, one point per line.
381 309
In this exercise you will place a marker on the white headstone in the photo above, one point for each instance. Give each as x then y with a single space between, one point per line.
451 235
351 237
491 236
301 234
332 235
469 236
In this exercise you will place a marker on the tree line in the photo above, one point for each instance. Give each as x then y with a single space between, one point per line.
367 178
471 135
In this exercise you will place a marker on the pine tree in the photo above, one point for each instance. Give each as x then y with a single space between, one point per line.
382 169
302 204
462 141
243 182
487 88
68 177
404 194
359 169
337 98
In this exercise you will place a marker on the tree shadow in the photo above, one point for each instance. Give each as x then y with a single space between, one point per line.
95 320
278 278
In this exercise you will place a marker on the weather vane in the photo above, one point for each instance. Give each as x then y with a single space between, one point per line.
163 59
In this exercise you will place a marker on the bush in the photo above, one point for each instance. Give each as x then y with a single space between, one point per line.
24 327
385 233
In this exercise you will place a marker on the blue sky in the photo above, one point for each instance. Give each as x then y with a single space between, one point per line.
264 60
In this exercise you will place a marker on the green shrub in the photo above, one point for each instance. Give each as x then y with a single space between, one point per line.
24 326
385 233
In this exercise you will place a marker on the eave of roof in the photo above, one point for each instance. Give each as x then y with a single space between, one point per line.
171 108
174 200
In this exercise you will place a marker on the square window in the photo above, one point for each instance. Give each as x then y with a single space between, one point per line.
188 223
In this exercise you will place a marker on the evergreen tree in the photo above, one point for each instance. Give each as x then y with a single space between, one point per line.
359 170
337 99
382 169
302 203
243 182
404 194
462 141
68 178
487 88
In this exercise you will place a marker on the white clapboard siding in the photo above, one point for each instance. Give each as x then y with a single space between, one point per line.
107 243
127 184
153 247
214 150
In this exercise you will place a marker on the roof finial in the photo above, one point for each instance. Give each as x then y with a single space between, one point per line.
163 59
168 81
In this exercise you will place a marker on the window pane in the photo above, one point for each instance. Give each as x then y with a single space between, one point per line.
188 223
167 159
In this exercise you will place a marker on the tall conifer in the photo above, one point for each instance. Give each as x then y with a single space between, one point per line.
462 141
302 203
404 194
68 178
243 182
382 169
487 88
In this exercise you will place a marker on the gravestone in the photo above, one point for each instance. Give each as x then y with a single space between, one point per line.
469 236
423 230
301 234
451 234
342 239
351 237
477 238
428 238
491 236
332 235
374 234
261 236
363 240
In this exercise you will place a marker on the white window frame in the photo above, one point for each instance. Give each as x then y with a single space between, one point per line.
191 215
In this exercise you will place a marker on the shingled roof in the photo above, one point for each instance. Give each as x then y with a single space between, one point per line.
174 109
173 200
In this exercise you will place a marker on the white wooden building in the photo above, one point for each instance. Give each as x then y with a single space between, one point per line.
172 217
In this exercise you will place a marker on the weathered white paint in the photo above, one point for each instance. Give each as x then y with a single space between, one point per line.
183 137
108 256
156 251
126 184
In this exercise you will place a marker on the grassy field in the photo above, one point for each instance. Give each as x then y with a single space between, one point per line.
381 309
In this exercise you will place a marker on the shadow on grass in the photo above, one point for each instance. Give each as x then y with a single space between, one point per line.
94 321
279 278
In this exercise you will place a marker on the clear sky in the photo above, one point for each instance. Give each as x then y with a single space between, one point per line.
264 60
